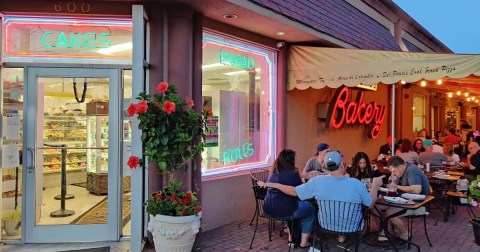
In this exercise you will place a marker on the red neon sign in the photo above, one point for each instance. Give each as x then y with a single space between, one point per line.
355 112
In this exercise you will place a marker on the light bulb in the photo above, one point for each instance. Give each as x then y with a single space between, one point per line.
450 95
458 92
466 94
423 83
468 99
403 82
439 82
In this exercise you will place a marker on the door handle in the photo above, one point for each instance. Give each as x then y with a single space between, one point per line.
31 167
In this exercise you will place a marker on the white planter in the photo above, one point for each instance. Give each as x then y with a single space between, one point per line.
10 227
174 234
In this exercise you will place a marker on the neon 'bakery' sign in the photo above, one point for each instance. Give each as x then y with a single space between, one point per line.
343 111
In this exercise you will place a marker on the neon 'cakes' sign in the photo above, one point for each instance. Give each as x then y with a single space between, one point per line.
344 111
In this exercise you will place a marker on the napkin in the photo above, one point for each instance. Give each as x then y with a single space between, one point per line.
413 196
396 200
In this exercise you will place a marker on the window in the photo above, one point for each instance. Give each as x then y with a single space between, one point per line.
418 112
238 85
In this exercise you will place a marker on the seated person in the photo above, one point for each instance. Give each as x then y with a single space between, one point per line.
283 171
473 161
361 167
410 180
335 187
433 158
418 146
406 153
448 151
315 164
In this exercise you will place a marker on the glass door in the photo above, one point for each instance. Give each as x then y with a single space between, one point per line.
73 132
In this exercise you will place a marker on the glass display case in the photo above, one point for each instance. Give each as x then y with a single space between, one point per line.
97 154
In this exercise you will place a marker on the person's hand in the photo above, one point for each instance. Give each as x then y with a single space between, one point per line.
377 181
261 183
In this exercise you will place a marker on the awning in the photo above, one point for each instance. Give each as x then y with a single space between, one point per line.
318 67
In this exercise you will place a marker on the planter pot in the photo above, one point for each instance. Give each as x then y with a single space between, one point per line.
10 227
476 230
174 234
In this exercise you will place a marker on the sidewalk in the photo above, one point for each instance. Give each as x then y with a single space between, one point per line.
455 235
122 246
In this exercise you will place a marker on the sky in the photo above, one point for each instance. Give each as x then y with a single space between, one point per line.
456 23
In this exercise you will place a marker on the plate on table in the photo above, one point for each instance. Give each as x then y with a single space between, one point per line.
413 196
396 200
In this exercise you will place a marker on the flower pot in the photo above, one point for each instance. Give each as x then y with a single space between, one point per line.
11 227
476 230
174 233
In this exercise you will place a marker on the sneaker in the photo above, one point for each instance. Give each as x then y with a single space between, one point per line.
382 237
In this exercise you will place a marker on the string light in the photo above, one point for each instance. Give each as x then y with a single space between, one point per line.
403 82
466 94
458 92
423 83
439 82
450 95
468 99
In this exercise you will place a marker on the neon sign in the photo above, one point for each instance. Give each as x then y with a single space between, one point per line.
90 40
239 60
239 153
355 112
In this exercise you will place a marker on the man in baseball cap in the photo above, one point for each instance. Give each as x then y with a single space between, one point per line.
315 165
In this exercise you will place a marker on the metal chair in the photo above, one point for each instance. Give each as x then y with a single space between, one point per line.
267 201
257 174
340 218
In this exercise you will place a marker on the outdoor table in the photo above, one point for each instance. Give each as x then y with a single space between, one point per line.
440 180
384 219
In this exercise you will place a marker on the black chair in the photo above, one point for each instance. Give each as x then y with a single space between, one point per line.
269 197
257 174
340 218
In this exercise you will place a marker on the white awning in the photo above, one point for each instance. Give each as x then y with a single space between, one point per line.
318 67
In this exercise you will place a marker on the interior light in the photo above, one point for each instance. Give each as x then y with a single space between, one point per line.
423 83
403 82
212 65
450 95
280 33
230 16
257 70
439 82
466 94
413 108
458 92
476 100
116 48
472 97
468 99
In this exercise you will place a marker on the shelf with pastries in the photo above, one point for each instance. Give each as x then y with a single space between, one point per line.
69 152
68 163
47 171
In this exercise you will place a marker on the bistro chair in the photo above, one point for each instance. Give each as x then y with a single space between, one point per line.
273 203
340 218
257 174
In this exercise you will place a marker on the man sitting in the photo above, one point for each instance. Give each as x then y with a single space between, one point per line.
473 161
410 180
431 157
335 187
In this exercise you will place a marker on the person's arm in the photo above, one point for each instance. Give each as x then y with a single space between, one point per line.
469 163
410 189
306 169
290 190
376 183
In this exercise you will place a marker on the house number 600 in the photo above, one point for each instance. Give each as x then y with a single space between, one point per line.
72 7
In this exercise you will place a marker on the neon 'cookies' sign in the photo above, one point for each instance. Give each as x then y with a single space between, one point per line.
343 111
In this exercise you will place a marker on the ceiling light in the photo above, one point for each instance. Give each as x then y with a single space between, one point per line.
116 48
230 16
458 92
468 99
257 70
472 97
466 94
280 33
403 82
212 65
439 82
423 83
450 95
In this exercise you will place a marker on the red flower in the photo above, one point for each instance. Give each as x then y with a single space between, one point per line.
142 107
183 212
173 197
162 87
168 107
184 202
188 195
209 110
132 108
198 209
189 101
133 162
154 195
159 196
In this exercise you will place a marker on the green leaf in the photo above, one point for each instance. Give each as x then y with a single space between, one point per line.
164 139
162 166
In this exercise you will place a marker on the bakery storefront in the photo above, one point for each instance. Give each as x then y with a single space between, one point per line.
64 84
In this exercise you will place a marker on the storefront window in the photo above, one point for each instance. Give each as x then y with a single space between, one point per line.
418 112
238 85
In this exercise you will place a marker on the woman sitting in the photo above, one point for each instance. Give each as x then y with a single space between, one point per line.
418 146
406 153
448 150
361 167
284 172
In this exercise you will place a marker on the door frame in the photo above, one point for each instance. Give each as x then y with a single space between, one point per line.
72 233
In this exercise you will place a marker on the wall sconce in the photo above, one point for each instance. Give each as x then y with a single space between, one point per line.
439 82
322 109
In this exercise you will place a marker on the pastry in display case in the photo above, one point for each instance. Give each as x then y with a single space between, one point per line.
97 154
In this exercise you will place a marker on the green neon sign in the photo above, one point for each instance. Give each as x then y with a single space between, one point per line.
239 60
88 40
239 153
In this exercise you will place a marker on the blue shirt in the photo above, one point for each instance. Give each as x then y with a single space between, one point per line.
332 188
284 204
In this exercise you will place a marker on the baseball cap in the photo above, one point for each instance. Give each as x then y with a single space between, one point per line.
427 143
322 147
333 158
